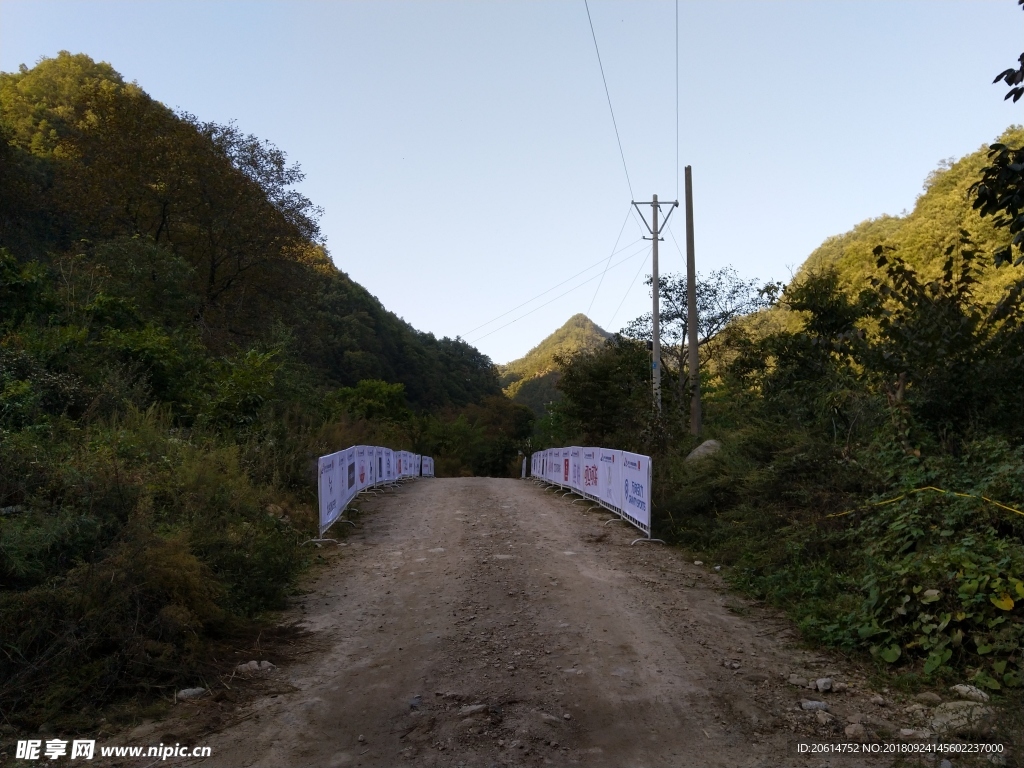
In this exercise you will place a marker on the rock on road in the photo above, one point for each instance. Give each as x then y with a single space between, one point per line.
488 622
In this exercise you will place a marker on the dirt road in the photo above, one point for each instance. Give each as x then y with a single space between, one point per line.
485 622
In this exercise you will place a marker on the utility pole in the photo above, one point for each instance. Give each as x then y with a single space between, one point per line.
656 311
691 312
655 231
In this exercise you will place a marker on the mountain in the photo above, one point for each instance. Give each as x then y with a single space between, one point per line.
922 236
147 202
531 379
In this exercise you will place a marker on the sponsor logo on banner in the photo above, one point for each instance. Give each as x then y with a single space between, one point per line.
565 471
351 475
636 489
590 475
362 473
633 493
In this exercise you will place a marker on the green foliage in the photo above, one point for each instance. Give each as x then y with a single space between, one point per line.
607 394
175 344
488 438
373 399
922 236
885 393
870 481
1000 194
238 389
532 379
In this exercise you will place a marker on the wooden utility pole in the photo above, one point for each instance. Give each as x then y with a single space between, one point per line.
655 229
656 311
691 311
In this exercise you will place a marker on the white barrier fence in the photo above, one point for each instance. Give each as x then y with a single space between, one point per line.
619 481
343 475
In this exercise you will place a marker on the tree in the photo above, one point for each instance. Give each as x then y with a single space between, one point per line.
607 396
722 297
373 399
1013 77
1000 191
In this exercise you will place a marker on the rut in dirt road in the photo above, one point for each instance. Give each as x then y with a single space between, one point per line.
486 622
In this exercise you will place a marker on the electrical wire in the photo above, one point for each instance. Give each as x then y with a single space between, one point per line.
612 319
676 243
621 230
609 97
677 99
549 290
566 293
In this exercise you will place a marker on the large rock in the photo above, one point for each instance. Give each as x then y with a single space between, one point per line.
706 448
963 718
970 692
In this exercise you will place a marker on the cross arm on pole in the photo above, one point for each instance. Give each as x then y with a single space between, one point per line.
673 205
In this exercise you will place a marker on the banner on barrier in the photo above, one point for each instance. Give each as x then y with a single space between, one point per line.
350 474
342 475
636 490
589 463
329 489
609 476
362 475
575 464
620 481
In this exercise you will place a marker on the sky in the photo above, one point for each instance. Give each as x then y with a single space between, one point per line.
467 162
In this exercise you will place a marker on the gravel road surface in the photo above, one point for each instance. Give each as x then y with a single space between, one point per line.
488 622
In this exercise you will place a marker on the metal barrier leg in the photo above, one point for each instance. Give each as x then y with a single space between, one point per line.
648 539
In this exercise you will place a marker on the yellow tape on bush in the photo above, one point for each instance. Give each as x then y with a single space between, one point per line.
927 488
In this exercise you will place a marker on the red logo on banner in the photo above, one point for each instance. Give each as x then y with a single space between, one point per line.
362 474
566 478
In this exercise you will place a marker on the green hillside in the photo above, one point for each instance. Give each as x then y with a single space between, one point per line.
922 236
531 379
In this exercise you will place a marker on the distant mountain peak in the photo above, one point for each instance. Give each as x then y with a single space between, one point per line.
531 379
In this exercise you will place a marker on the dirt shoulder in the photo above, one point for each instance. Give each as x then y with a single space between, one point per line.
479 622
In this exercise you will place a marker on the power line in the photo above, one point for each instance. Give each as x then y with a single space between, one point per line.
549 290
601 282
609 96
677 99
612 318
588 280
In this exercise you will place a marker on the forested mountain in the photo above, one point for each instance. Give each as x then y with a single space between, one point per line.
176 349
922 236
101 180
531 379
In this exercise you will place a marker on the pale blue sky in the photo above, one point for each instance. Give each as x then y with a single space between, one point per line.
465 158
